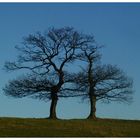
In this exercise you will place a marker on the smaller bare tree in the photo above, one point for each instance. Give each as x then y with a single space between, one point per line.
102 82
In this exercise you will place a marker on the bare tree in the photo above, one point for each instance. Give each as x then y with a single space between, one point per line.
46 56
102 82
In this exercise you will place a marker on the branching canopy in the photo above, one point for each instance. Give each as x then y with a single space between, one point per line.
109 84
46 56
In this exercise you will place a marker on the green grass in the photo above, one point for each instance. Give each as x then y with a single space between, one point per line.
16 127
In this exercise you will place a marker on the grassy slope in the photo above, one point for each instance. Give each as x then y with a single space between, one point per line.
15 127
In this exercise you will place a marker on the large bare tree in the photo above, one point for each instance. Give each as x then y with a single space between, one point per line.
102 82
46 56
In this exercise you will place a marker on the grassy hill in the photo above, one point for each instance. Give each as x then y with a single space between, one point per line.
16 127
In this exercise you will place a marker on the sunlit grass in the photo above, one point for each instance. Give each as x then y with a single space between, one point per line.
15 127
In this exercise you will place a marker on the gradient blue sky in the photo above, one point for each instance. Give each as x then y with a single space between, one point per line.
115 25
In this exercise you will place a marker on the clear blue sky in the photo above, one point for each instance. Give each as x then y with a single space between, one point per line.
117 26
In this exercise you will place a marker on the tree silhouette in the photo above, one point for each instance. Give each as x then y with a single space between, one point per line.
102 82
46 56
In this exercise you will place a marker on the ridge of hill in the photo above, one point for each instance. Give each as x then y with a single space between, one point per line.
32 127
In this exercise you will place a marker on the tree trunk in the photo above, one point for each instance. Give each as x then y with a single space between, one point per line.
92 114
53 107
